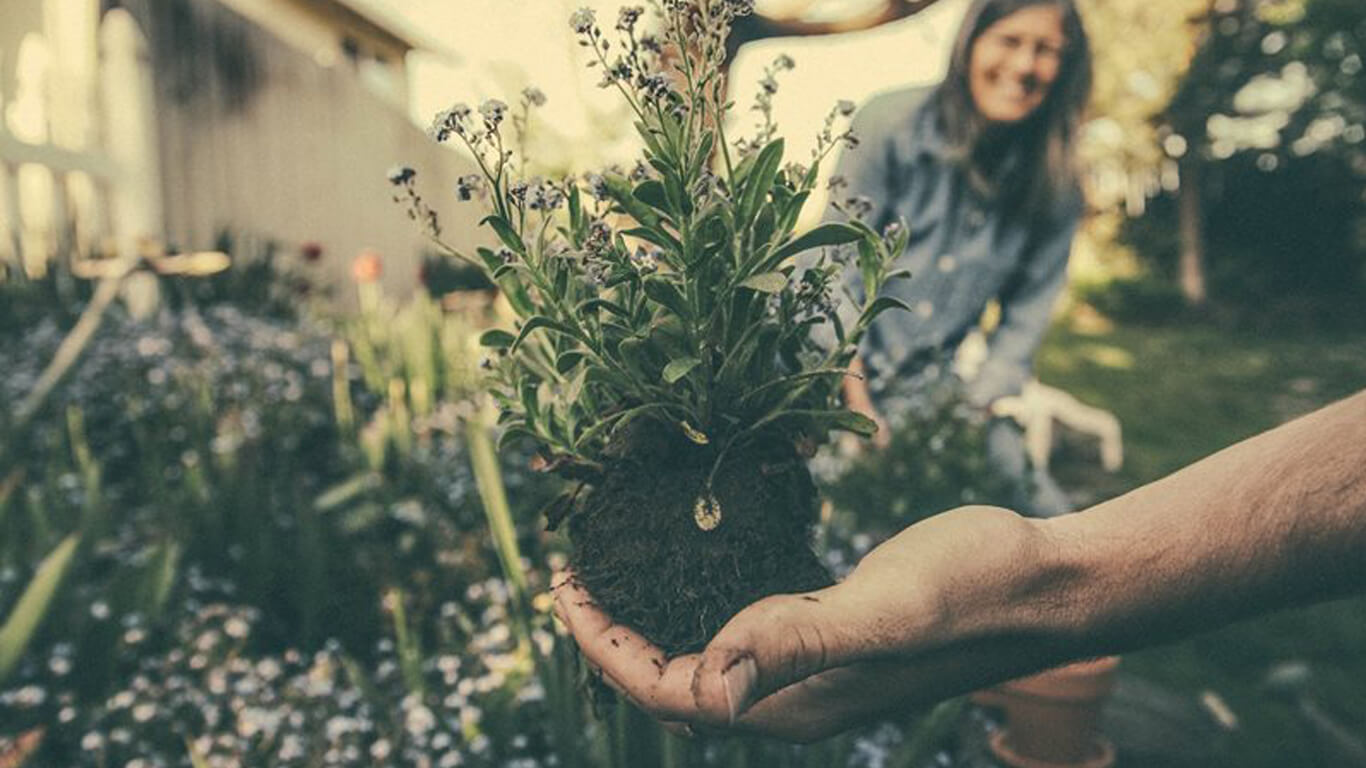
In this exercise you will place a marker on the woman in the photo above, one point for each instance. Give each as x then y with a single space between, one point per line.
981 169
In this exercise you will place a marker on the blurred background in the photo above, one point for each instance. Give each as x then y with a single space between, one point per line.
250 510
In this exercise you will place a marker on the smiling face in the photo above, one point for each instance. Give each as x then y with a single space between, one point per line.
1015 61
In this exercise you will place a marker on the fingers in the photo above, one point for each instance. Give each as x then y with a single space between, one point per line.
628 662
765 672
768 646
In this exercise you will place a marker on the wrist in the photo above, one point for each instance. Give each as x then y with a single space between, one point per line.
1025 581
1034 596
1015 602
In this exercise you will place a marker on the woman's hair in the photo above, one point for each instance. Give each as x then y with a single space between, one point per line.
1045 170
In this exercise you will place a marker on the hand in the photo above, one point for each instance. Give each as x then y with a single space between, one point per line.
980 595
910 626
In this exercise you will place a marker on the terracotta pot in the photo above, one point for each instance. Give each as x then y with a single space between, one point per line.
1052 719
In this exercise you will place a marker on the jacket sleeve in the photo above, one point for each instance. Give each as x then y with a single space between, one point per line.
867 170
1026 309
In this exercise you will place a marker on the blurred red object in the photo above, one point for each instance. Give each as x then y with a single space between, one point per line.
367 267
311 251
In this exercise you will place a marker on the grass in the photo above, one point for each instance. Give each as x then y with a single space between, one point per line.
1183 392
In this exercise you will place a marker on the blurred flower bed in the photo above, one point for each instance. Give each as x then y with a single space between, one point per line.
281 553
935 460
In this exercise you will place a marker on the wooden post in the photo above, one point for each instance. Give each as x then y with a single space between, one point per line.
130 131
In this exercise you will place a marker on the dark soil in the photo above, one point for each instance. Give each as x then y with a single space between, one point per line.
643 557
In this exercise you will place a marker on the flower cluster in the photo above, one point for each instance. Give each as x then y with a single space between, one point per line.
639 69
405 193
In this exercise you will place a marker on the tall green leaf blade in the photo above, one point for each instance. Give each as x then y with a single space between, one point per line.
34 604
759 180
677 369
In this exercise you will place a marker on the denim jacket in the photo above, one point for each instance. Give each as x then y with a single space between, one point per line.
962 253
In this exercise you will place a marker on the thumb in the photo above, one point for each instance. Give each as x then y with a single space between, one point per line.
768 646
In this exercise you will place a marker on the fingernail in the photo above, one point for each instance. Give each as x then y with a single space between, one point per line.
737 681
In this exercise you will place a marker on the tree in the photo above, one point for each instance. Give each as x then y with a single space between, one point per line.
1273 88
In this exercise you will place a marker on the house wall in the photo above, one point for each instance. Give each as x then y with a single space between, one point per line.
325 31
260 142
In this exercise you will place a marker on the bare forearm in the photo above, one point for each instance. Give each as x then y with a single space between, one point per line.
1276 520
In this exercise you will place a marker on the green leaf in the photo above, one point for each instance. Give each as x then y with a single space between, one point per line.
567 360
531 402
869 264
664 292
623 195
764 224
618 420
539 321
574 388
496 337
703 153
34 603
505 232
825 420
650 137
160 578
768 282
656 236
831 233
881 304
759 180
490 258
675 194
516 431
635 354
677 369
576 222
600 303
652 194
792 209
796 378
347 490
